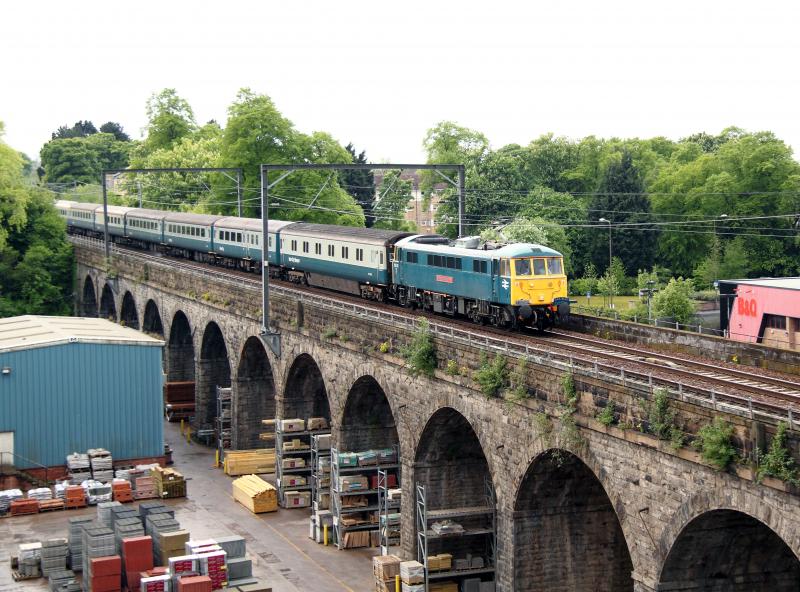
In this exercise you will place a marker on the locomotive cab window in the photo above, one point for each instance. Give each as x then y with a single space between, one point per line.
522 266
554 266
479 266
412 257
505 268
539 267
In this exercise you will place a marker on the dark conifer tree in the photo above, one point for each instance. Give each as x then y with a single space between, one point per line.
360 184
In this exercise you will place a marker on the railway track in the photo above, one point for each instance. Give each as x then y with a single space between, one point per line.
718 382
724 376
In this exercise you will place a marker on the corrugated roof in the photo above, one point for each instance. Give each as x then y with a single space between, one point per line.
30 331
787 283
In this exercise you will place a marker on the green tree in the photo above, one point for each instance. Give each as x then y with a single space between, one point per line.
81 129
35 257
394 195
674 301
80 159
360 184
115 129
169 118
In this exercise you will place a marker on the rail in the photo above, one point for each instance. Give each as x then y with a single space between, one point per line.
640 382
13 455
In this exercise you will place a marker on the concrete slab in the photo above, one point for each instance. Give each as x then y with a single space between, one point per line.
283 555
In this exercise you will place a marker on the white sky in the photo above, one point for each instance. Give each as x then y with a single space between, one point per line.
380 74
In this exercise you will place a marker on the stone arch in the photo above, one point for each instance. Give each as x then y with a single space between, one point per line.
730 550
254 394
108 308
451 463
89 299
305 394
180 350
213 370
567 536
367 419
128 314
151 321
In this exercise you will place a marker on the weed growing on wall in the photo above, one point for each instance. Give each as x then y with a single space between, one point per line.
715 443
420 354
778 462
492 376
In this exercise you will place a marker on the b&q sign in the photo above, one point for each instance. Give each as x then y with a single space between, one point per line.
746 306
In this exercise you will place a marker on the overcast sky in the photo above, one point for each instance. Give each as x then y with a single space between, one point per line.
379 74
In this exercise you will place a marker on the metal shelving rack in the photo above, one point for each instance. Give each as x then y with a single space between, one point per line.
386 539
283 474
424 517
222 422
320 477
372 494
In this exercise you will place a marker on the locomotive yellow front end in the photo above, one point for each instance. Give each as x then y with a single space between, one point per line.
539 288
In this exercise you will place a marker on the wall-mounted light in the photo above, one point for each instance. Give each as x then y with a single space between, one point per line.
6 370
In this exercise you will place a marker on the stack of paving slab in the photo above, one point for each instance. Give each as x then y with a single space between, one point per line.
240 568
63 581
54 556
6 497
102 464
96 492
78 468
121 512
126 528
104 513
75 537
30 557
98 541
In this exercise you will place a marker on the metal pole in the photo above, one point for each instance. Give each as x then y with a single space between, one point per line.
265 253
139 188
239 183
461 194
105 215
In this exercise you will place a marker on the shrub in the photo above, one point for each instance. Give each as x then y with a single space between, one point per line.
715 443
517 380
778 462
492 376
452 368
385 347
606 416
329 333
674 301
421 352
570 393
660 416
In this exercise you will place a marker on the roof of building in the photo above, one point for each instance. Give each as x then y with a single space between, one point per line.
787 283
30 331
368 236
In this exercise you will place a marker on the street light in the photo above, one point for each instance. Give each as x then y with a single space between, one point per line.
611 295
720 217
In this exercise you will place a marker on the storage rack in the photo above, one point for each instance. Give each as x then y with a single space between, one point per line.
424 517
373 506
281 454
320 478
222 423
386 540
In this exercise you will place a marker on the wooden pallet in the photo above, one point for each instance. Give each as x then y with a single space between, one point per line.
249 462
17 576
51 505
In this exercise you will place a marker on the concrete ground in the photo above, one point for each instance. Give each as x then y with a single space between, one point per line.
283 555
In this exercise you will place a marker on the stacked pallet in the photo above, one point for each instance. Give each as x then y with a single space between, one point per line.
145 488
75 538
63 581
40 494
385 568
169 483
6 497
122 512
122 491
255 494
268 435
127 528
154 580
54 556
22 507
194 584
137 557
171 544
78 468
74 497
155 527
98 541
104 574
29 560
96 492
104 513
412 575
102 464
247 462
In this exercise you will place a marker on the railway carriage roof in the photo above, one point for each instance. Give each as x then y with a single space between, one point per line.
147 214
86 207
190 218
116 210
64 203
368 236
509 251
251 224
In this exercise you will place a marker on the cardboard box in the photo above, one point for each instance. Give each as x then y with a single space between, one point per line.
293 463
154 583
412 572
353 483
348 459
293 481
391 481
317 423
385 567
297 499
293 425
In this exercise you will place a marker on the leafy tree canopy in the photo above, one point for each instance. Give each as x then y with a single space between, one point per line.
81 129
80 159
393 198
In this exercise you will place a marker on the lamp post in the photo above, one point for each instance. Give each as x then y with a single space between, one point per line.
720 217
606 221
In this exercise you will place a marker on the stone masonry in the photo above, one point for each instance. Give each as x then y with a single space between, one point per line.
610 509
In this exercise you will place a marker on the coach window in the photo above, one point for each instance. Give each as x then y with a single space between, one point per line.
305 246
317 249
451 263
539 267
238 237
330 250
294 245
504 268
522 266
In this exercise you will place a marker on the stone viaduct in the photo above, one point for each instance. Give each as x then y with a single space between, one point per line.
602 508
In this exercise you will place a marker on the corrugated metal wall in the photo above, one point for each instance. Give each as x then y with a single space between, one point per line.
77 396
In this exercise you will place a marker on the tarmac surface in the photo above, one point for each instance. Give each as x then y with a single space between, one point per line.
283 556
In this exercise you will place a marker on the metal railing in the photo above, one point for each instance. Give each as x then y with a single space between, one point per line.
3 465
642 383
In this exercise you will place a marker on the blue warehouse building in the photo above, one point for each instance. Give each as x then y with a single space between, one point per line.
70 384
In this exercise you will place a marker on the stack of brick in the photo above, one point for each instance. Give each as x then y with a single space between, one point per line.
146 507
102 464
122 491
54 556
169 483
63 581
137 557
104 574
104 513
29 559
170 544
22 507
75 539
122 512
385 568
156 525
126 528
74 497
98 541
195 584
145 488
